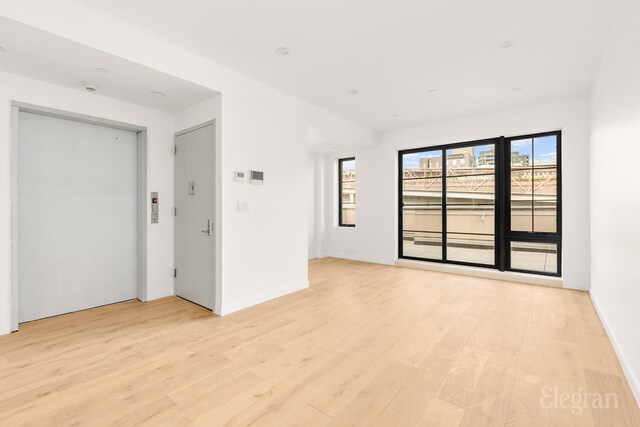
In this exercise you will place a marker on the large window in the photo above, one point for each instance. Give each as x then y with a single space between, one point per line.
347 192
491 203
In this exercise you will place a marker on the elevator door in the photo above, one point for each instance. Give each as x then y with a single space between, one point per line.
77 186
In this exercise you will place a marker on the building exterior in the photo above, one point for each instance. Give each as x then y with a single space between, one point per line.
488 158
456 158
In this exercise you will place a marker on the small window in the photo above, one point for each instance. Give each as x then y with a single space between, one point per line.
347 192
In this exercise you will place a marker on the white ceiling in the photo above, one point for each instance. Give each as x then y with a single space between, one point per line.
34 53
392 51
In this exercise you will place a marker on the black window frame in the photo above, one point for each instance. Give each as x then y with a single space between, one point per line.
443 148
502 228
533 236
340 219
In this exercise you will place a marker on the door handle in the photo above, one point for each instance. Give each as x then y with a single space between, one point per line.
209 227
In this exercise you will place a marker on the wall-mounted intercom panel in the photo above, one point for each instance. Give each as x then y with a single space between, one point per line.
154 207
257 177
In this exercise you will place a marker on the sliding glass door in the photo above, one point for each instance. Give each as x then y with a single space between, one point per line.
448 203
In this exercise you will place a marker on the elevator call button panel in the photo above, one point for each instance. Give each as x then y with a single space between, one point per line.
154 207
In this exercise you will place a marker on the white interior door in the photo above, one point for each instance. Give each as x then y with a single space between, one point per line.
195 208
77 187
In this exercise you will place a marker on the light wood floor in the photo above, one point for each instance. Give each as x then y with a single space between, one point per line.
366 344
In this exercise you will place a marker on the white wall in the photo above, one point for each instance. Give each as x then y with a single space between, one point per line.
263 253
315 177
375 236
615 190
160 159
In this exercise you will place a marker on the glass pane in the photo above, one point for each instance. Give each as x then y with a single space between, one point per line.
422 204
545 151
521 185
348 192
545 176
470 234
422 232
472 189
471 204
422 164
429 187
545 211
529 256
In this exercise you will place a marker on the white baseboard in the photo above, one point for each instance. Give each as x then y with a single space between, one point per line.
160 293
229 308
485 273
631 379
5 328
317 255
359 258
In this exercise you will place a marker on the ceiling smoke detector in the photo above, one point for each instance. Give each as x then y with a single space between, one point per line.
91 88
506 44
284 51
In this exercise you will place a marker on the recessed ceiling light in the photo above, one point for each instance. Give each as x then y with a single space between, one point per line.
354 91
506 44
102 70
157 93
517 88
284 51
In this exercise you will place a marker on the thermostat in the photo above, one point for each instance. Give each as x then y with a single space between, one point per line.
257 177
239 176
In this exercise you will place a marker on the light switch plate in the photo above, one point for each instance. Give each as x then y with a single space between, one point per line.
243 207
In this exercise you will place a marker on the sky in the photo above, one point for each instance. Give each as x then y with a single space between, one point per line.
350 165
544 147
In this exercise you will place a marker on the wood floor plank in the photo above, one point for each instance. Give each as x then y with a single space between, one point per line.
462 378
366 406
441 414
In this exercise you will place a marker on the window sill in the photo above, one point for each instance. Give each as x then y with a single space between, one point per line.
485 273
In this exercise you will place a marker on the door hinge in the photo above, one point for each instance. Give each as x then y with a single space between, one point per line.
175 211
175 272
175 149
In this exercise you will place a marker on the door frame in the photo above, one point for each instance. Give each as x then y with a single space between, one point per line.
217 229
20 107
